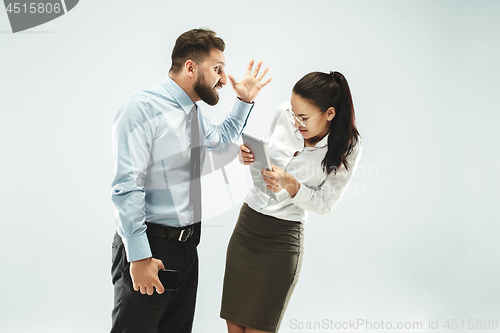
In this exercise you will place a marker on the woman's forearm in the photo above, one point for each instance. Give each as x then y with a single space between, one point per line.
292 186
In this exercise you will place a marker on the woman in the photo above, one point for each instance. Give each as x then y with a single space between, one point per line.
314 148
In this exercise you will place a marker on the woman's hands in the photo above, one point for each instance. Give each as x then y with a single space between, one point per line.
245 155
277 179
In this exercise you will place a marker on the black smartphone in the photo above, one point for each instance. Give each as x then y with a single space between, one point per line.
169 278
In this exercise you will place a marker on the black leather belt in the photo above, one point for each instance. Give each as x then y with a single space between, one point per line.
182 234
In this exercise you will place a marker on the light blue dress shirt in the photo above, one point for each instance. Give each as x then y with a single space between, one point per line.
152 150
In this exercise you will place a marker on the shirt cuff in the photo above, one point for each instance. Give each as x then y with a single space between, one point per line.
137 247
282 195
302 195
241 109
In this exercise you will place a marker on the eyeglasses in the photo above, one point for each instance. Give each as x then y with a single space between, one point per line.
299 119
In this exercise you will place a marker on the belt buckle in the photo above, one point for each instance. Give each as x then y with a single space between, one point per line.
184 234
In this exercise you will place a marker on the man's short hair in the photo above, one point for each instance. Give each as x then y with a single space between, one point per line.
195 45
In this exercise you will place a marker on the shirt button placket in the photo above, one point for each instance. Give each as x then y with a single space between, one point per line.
188 127
294 155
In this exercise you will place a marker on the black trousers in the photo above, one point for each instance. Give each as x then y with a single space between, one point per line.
172 311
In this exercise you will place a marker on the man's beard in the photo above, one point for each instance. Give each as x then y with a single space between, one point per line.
204 91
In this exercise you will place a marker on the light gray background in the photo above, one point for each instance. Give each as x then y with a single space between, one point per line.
415 238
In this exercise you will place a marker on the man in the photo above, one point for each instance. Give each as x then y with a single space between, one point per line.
159 137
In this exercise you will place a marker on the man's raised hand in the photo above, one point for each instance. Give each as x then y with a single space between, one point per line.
248 89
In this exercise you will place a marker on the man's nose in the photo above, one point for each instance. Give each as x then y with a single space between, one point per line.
223 79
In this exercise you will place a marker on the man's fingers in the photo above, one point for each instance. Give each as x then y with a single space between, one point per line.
257 68
159 287
144 274
249 68
233 81
261 76
143 289
266 82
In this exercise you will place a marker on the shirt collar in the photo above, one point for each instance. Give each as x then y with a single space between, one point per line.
178 94
323 142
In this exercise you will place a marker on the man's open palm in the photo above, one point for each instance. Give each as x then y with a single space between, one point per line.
248 89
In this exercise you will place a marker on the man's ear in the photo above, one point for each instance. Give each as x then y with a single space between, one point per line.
331 113
190 68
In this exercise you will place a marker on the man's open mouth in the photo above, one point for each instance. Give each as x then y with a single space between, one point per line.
217 87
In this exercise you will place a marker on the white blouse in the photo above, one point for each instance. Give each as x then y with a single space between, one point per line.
318 192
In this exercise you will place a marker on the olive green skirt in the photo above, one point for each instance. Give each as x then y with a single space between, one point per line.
263 262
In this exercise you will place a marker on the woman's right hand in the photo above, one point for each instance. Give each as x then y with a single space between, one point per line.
245 155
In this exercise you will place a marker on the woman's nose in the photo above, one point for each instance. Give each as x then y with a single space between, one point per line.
298 125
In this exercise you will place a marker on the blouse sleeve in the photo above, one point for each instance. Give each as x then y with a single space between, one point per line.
324 199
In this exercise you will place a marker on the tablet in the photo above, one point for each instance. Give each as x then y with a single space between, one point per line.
261 161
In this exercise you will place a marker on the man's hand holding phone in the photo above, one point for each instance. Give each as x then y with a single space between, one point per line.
144 275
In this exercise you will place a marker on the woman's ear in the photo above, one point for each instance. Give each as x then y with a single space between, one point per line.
330 113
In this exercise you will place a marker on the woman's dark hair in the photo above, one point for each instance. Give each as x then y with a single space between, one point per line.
194 44
331 90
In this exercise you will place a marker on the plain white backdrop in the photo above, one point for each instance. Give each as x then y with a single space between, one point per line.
414 239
